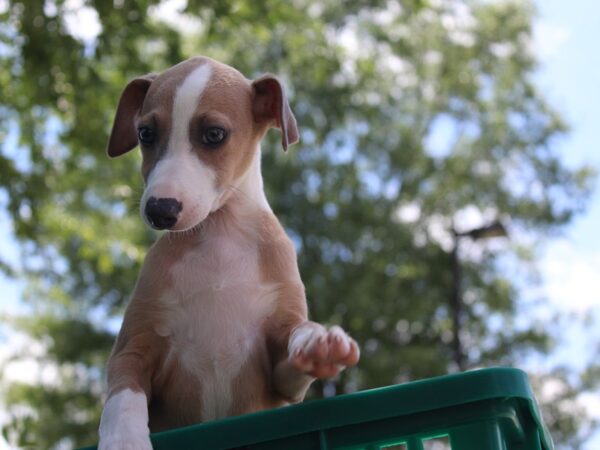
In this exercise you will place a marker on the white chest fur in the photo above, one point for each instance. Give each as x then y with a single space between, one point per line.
212 316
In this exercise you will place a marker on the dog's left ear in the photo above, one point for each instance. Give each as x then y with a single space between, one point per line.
123 136
270 104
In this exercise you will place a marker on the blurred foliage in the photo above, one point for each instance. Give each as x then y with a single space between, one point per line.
369 196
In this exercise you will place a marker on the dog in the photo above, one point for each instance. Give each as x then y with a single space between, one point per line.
217 323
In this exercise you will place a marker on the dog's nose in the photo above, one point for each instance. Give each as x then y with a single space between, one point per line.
162 212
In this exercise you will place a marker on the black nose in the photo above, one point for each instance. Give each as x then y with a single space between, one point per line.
162 212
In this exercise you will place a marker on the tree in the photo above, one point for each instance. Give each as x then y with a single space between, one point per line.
369 196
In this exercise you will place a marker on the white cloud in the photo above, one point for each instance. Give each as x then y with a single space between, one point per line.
571 277
81 21
409 213
14 370
548 38
171 13
502 50
18 360
471 216
591 402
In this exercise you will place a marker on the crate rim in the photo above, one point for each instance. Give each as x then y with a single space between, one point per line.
390 401
448 390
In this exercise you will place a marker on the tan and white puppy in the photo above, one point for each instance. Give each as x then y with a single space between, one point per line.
217 324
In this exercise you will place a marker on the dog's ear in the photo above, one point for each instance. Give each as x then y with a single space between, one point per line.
270 104
123 136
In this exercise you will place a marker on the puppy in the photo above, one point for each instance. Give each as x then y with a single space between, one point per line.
217 323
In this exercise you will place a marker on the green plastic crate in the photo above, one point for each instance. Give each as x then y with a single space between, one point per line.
488 409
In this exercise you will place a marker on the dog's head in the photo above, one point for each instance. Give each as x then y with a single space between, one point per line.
199 125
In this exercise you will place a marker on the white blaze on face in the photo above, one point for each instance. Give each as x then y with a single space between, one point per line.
180 174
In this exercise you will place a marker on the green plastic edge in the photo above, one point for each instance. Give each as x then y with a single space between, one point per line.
365 406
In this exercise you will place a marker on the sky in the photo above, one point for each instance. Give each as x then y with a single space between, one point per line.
567 36
566 40
570 76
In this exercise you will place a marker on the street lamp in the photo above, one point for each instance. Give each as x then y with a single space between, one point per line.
495 229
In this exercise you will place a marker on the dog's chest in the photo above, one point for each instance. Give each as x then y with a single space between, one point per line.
212 316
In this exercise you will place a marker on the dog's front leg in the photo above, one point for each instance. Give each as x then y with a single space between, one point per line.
124 422
313 352
300 350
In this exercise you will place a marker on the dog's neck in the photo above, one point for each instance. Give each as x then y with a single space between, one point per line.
248 192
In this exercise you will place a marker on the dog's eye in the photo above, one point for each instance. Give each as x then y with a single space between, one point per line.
213 136
146 135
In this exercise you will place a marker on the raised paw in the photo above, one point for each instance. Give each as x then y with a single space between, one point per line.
322 353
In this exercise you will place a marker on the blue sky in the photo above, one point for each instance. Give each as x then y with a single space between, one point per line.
566 39
567 36
570 76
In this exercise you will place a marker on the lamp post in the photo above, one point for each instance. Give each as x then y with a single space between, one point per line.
495 229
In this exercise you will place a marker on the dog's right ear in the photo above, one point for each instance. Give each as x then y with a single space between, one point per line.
270 103
123 136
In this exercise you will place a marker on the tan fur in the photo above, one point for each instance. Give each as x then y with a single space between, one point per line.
140 345
207 330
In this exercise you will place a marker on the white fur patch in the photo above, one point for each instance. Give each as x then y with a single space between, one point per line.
180 174
304 336
213 315
124 422
186 101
